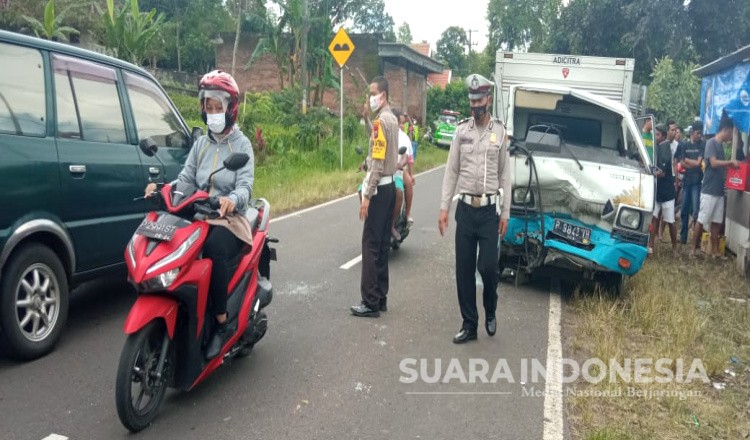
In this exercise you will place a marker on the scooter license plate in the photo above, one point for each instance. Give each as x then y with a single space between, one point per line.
571 232
156 230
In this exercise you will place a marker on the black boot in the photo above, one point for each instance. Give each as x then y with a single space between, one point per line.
221 334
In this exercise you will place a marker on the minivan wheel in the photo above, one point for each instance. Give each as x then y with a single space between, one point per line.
33 302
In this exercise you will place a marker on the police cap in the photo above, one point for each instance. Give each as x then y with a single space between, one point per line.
478 86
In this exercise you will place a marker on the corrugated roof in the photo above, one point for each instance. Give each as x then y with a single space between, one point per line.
725 62
440 79
423 48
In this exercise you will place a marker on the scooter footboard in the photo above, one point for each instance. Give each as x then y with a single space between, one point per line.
150 307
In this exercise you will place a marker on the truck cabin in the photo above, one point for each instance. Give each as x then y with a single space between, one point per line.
552 124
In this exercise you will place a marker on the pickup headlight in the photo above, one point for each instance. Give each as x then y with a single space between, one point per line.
523 197
630 219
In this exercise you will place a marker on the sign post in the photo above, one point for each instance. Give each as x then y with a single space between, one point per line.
341 49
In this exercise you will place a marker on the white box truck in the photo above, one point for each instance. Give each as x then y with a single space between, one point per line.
608 77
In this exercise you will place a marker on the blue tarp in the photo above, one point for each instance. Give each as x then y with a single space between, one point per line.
730 91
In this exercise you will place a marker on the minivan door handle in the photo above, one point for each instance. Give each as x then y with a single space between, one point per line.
77 169
154 171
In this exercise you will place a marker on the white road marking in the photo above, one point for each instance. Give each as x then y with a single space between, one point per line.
351 263
331 202
553 421
55 437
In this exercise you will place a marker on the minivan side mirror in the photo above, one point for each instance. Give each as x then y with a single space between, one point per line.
148 146
196 133
235 161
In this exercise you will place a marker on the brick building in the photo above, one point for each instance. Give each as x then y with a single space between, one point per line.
405 68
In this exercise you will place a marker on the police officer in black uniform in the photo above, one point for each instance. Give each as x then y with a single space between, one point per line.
479 171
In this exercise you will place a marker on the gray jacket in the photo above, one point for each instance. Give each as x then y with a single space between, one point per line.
208 155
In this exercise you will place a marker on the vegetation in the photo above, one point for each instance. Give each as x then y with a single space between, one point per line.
674 93
672 309
51 28
129 33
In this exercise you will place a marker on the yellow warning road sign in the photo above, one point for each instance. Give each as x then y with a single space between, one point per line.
341 47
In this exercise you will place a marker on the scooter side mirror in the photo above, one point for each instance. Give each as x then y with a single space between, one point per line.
235 161
148 146
359 150
402 150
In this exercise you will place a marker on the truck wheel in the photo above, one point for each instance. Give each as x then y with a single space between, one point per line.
33 302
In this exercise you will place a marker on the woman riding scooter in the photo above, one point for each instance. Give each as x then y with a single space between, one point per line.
219 101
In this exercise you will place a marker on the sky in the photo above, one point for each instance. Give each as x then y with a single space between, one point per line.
429 18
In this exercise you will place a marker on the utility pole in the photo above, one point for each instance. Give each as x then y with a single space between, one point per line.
470 43
303 70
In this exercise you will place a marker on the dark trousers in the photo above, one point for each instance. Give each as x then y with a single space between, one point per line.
691 198
221 247
376 238
476 226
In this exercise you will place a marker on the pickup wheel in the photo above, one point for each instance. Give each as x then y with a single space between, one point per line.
33 302
615 283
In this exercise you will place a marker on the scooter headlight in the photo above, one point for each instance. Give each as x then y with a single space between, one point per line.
630 219
131 251
161 281
177 254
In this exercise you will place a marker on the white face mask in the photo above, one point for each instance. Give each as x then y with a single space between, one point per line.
216 122
375 102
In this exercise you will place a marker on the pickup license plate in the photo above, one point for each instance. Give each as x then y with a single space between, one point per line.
155 230
571 232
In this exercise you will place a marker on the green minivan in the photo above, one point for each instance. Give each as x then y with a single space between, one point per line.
70 124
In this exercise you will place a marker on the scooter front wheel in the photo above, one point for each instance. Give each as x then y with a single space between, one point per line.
140 387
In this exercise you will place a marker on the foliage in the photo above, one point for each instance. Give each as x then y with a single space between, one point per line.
51 28
404 34
367 16
718 27
453 97
674 91
130 33
451 48
515 24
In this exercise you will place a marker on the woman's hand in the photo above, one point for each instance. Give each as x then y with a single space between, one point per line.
151 187
226 206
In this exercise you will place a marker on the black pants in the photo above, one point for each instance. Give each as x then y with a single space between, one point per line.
376 238
221 247
476 226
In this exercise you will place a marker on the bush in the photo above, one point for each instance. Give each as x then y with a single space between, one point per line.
453 97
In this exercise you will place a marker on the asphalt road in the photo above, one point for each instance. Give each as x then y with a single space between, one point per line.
319 373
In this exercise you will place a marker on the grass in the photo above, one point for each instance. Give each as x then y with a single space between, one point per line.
302 179
672 309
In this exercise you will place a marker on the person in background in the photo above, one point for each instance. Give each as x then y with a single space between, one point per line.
665 190
648 137
690 157
403 169
711 214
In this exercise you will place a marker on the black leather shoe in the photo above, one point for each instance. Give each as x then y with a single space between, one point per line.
464 336
491 325
363 311
221 334
384 305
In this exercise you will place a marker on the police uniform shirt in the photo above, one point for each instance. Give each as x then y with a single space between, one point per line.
384 128
478 163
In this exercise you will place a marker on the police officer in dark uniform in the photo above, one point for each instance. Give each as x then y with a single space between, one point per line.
479 171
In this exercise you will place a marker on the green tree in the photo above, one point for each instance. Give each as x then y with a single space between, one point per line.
52 27
453 97
367 16
718 27
451 48
404 34
674 91
516 24
130 33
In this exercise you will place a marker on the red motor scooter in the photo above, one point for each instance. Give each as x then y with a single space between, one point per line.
171 323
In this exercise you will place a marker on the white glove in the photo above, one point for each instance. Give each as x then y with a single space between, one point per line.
499 204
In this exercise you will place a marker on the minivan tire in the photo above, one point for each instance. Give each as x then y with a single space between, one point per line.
32 266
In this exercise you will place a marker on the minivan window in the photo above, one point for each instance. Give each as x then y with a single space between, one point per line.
88 105
154 116
22 99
